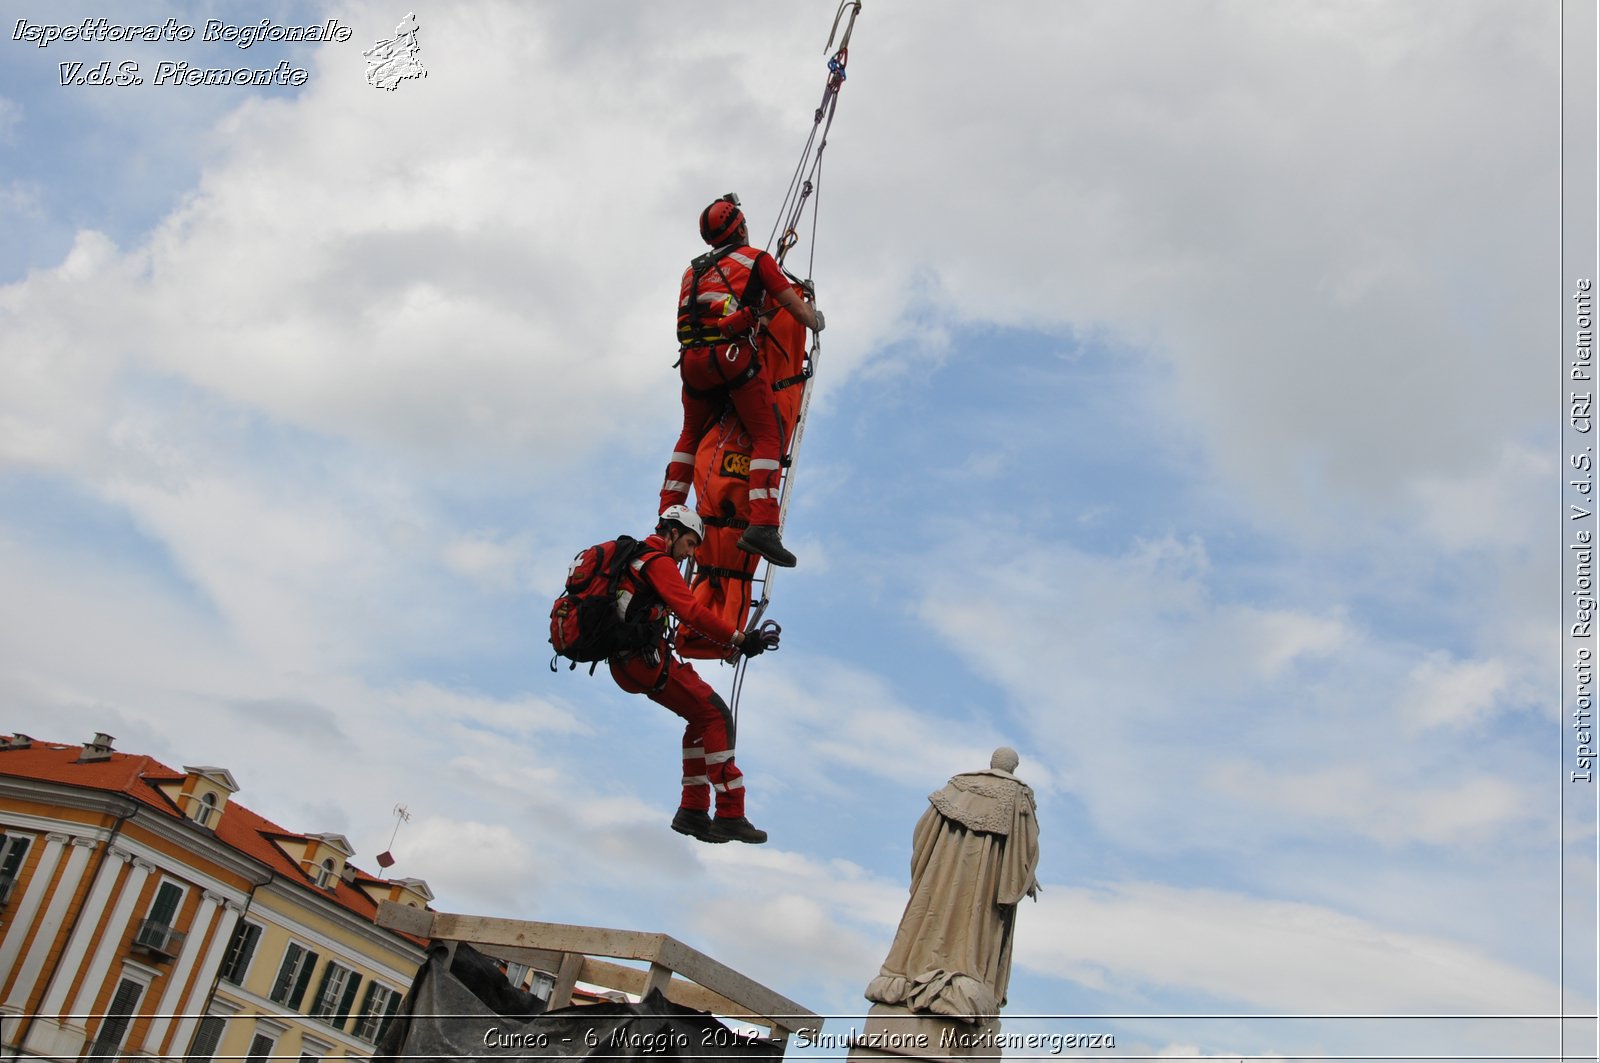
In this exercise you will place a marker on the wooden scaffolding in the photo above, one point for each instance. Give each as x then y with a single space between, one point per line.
573 954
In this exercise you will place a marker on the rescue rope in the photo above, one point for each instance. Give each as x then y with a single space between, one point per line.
802 184
805 182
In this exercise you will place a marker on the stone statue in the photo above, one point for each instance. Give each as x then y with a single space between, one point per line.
974 856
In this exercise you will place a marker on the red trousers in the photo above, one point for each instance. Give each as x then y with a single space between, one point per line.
707 734
706 372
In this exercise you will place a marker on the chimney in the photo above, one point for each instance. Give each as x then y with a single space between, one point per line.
16 741
97 748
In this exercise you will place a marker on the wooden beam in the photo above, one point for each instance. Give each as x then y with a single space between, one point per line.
418 922
705 984
566 980
559 937
539 959
698 967
679 991
658 979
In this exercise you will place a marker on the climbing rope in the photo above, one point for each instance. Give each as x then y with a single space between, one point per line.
804 183
806 180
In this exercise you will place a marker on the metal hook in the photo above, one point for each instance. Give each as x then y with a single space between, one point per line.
845 43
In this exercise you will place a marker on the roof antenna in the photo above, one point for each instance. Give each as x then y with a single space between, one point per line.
402 814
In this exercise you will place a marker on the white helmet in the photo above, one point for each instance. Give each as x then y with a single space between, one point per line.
685 518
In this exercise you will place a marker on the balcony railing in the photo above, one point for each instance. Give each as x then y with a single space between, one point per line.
158 939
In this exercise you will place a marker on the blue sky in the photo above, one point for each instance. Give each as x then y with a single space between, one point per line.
1179 424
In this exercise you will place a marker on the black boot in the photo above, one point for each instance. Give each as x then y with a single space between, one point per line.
736 829
763 539
695 825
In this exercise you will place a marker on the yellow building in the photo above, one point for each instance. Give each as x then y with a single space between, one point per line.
145 913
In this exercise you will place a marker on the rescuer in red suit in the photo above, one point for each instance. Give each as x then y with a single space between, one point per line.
656 673
719 305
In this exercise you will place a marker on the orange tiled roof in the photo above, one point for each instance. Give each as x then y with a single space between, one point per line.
138 776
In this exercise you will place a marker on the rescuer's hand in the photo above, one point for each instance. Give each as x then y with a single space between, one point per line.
762 638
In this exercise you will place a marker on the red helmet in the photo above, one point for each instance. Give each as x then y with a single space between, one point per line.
721 220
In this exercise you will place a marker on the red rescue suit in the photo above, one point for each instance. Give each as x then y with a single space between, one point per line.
720 293
708 724
723 573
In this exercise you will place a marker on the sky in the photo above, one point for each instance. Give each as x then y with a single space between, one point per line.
1182 420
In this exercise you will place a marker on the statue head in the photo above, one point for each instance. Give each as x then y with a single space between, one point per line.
1005 758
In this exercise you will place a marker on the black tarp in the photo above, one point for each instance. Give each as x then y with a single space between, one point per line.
466 1009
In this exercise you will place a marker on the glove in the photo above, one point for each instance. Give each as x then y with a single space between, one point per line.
820 322
737 323
760 639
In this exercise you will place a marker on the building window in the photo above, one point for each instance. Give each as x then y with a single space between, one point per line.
336 995
377 1010
206 1038
206 810
294 974
261 1046
164 909
13 850
114 1027
240 951
326 874
156 934
313 1051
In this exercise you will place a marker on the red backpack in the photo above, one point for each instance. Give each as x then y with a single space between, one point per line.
590 621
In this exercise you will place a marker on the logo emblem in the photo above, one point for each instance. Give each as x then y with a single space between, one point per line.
394 60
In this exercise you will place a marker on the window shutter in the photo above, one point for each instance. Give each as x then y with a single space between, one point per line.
240 951
388 1015
115 1026
206 1038
308 965
366 1001
284 985
165 907
12 851
260 1048
349 998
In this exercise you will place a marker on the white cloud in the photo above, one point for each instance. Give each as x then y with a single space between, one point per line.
11 113
1179 211
1445 692
828 916
846 725
1241 722
20 200
1278 956
1364 801
493 562
1492 506
487 861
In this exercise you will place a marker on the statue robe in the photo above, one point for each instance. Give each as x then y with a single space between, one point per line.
974 855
